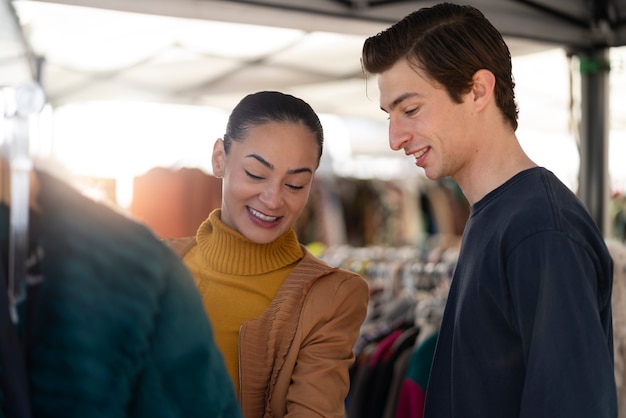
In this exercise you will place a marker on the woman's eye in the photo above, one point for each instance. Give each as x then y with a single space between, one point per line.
294 187
252 176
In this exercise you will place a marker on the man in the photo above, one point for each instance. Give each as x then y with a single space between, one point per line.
527 330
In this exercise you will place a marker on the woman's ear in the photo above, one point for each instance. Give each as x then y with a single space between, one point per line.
483 85
218 159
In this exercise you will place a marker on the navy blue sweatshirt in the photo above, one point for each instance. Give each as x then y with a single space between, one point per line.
527 330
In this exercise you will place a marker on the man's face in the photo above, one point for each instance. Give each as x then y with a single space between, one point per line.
424 121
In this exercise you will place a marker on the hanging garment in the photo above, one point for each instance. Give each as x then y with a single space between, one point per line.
618 296
412 396
13 375
118 328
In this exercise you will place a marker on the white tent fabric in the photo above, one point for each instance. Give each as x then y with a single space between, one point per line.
210 53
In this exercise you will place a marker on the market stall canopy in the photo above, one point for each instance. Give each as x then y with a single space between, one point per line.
190 52
211 53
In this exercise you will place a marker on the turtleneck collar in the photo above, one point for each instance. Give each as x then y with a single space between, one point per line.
228 251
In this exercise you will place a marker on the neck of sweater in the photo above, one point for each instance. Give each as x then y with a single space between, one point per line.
227 251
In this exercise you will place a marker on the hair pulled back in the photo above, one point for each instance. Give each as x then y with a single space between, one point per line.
268 107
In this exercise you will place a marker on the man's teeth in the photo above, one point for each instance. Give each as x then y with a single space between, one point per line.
263 217
419 153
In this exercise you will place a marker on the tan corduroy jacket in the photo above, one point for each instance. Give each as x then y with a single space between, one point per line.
295 357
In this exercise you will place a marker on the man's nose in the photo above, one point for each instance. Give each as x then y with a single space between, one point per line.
398 136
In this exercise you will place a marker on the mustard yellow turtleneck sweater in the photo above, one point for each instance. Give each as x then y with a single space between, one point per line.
237 279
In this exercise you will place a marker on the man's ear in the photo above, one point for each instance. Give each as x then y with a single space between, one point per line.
483 85
219 158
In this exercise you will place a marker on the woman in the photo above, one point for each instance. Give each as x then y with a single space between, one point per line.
285 322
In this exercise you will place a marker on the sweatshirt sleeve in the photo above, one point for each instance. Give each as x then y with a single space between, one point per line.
563 313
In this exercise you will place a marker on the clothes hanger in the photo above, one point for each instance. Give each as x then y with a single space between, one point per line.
17 105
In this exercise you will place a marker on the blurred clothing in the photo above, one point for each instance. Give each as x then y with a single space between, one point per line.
113 325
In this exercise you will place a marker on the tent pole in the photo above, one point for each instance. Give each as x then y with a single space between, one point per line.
593 175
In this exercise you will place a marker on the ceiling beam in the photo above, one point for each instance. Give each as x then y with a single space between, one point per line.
257 13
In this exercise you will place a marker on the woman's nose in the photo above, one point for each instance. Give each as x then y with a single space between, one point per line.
272 196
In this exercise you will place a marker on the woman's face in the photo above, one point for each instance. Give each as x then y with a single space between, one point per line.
266 178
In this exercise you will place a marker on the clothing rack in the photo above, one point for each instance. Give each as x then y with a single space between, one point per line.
395 271
408 285
408 290
18 104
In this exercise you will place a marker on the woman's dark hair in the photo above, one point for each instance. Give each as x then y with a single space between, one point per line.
271 106
449 42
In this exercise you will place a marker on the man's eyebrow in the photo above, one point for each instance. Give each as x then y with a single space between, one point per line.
271 166
399 100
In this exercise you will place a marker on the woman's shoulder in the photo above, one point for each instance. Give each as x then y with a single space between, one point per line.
321 271
180 245
314 263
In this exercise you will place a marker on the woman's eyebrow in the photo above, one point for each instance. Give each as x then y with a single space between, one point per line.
300 170
261 160
271 166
